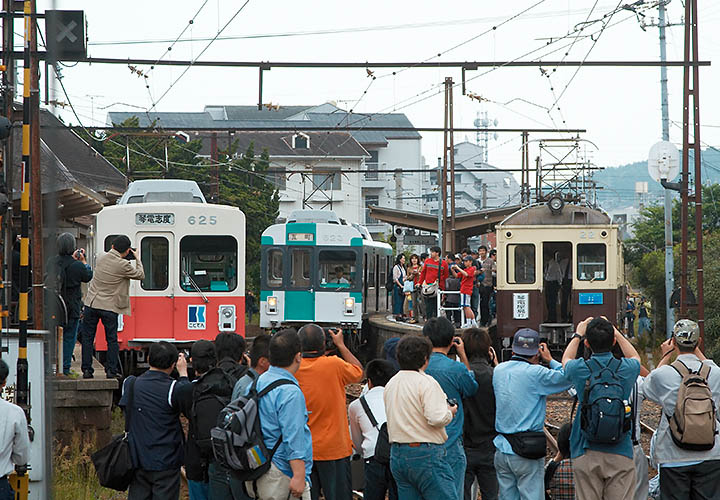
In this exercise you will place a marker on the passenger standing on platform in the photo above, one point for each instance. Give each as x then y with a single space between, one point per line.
398 277
364 430
70 269
323 380
413 274
155 434
467 276
684 473
521 386
602 453
14 440
479 426
433 275
283 416
458 383
486 286
231 358
417 413
108 296
418 287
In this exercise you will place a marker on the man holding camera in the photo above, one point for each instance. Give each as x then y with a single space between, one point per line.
322 380
108 296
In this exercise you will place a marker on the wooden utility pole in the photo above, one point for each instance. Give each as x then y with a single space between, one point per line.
691 106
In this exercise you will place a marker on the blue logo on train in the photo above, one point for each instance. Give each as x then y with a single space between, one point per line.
196 317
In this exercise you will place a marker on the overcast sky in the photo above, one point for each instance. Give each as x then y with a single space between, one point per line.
619 107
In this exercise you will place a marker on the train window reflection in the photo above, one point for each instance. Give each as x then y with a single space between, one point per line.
154 253
208 263
337 268
521 263
591 261
300 268
275 268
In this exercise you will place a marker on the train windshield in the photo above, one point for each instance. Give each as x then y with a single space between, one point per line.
208 263
275 268
591 263
337 268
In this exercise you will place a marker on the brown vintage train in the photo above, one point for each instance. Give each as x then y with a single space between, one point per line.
546 241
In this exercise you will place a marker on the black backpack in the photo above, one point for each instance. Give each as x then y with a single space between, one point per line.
604 416
211 394
237 440
382 445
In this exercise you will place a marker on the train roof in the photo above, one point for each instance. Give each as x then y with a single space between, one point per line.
320 233
571 215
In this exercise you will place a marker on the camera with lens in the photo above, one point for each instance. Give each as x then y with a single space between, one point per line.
330 347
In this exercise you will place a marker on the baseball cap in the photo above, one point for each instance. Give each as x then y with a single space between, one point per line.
468 257
686 333
526 342
202 349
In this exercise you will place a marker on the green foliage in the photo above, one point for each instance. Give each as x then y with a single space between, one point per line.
649 275
242 181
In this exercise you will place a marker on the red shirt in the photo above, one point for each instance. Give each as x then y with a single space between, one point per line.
430 269
466 285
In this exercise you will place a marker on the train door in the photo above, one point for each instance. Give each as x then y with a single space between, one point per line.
154 308
365 281
557 281
300 296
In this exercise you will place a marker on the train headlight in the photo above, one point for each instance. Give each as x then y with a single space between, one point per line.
556 204
272 303
349 306
226 318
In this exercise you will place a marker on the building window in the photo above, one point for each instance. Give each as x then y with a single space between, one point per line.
328 182
591 261
370 200
277 178
521 263
301 141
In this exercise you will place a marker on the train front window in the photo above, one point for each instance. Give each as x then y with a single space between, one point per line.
521 263
300 268
337 268
591 261
154 253
275 268
208 263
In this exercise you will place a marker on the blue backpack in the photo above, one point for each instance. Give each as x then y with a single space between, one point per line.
604 416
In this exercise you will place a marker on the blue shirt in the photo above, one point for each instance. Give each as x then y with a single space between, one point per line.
283 413
458 383
521 390
578 372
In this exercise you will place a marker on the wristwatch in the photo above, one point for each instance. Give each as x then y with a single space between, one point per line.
577 336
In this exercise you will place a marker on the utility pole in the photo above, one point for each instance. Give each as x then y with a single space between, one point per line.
448 229
8 84
691 101
36 177
215 194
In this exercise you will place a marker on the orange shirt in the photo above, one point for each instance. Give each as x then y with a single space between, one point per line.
323 382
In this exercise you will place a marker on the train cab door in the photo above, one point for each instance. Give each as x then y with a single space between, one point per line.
557 281
154 308
300 293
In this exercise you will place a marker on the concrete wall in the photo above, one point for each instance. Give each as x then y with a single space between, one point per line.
83 407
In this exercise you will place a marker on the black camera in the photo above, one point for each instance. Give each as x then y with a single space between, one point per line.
131 254
330 347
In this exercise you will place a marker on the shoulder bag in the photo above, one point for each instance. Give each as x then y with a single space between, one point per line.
113 463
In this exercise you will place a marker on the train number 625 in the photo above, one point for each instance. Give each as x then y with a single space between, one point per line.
202 220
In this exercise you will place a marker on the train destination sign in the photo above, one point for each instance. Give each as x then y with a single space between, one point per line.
154 219
301 237
521 305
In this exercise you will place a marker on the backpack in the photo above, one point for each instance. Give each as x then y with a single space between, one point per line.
390 285
604 416
237 440
382 445
56 308
693 425
206 399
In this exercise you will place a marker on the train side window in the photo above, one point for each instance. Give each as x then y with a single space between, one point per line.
337 268
300 268
208 262
371 270
521 263
109 241
591 261
383 271
154 253
275 268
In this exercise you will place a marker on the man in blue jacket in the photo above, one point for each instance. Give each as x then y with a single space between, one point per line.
458 382
601 470
521 387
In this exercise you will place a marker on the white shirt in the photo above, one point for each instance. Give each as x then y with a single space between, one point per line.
14 440
364 435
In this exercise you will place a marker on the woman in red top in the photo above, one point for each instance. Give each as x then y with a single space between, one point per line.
467 276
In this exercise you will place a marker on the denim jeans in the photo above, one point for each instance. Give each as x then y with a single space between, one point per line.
69 339
481 466
475 300
643 325
197 490
378 481
6 491
519 478
422 472
430 307
455 457
398 300
333 478
88 325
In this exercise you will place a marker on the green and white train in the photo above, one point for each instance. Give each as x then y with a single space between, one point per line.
317 268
